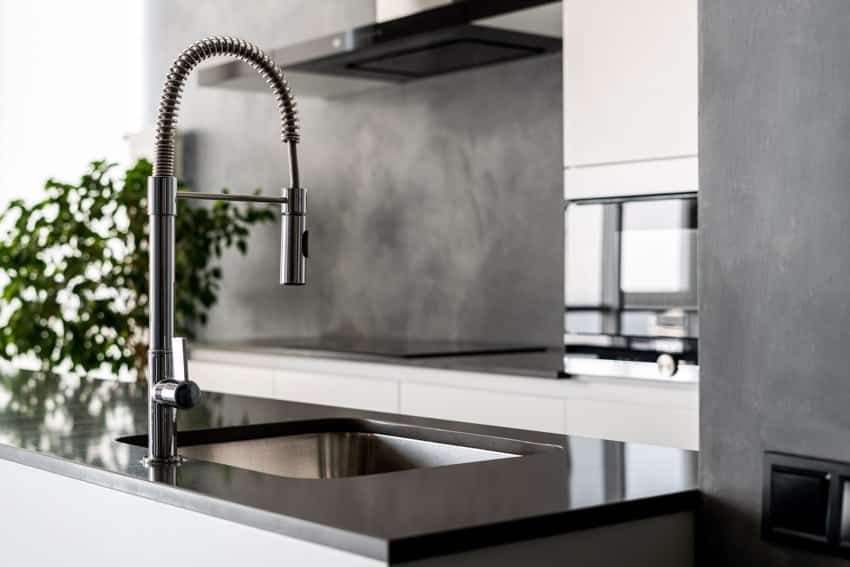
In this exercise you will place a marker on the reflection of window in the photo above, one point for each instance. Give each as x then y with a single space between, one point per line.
658 253
70 84
584 254
656 245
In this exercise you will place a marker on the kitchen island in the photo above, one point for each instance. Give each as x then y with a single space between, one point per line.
66 471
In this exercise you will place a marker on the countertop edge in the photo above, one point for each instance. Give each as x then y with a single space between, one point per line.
466 539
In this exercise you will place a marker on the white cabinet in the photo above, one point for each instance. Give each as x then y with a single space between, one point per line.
325 388
650 177
336 390
480 406
243 380
630 80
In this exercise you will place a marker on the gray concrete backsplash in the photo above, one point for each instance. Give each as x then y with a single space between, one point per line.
435 207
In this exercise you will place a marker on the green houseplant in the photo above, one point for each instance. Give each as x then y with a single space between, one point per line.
73 269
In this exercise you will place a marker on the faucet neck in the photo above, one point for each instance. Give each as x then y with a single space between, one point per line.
162 419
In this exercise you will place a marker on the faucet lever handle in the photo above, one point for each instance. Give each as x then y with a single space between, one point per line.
180 354
178 391
181 395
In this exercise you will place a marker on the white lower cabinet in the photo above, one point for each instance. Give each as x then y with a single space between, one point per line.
232 378
480 406
296 385
335 390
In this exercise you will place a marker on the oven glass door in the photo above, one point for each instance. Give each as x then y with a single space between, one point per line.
631 271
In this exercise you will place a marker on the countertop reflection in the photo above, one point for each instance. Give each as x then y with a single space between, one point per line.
70 426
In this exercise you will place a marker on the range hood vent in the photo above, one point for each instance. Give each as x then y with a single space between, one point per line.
464 34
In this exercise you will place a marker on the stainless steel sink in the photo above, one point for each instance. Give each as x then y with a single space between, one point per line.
337 454
339 448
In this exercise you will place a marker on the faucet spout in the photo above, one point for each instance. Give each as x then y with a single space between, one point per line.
175 82
168 384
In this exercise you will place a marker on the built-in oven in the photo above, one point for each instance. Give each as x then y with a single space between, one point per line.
631 286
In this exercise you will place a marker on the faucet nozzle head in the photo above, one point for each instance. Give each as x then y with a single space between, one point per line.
293 237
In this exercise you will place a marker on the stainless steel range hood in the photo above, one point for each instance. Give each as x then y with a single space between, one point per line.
455 36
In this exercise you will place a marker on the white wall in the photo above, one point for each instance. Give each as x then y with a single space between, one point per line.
70 88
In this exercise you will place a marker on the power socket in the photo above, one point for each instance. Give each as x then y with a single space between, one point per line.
806 503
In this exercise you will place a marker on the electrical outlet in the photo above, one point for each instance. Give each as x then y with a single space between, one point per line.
806 503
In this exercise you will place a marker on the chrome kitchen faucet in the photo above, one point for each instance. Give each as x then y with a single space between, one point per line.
169 386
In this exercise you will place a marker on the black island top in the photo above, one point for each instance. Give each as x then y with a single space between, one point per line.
70 426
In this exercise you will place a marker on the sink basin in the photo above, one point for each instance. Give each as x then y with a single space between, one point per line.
337 454
340 448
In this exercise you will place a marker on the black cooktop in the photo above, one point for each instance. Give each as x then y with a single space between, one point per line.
396 348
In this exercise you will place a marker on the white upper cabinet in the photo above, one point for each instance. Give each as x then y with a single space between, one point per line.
630 80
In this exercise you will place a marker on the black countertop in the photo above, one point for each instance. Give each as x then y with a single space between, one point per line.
534 360
394 348
70 426
513 359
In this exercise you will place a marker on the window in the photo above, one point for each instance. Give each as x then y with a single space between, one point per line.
70 88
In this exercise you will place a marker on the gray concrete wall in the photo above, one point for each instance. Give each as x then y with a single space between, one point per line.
775 260
435 207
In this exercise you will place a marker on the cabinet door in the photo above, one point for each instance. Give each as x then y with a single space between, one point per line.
236 379
336 390
630 80
502 409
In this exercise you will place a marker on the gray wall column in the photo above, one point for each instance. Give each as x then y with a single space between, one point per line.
775 256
